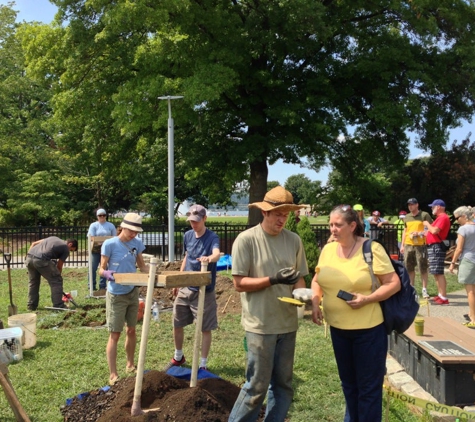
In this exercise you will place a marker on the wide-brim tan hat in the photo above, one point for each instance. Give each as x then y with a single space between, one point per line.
132 221
277 199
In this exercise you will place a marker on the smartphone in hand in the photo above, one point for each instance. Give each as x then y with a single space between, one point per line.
344 295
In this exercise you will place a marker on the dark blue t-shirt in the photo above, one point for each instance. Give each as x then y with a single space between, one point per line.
198 247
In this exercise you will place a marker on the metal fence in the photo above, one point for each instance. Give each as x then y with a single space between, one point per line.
18 240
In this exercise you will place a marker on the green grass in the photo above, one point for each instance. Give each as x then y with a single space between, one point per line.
69 359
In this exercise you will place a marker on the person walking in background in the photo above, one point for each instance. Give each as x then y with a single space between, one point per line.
101 227
360 211
268 263
413 245
357 327
122 254
376 221
46 258
465 251
201 245
437 233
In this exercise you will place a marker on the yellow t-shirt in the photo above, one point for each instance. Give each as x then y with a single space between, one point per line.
353 276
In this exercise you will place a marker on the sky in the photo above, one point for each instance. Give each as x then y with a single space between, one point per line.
44 11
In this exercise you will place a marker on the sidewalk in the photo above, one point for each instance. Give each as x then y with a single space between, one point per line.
399 379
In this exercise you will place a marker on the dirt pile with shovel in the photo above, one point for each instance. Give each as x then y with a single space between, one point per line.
171 398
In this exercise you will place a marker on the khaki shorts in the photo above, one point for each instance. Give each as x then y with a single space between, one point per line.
185 309
416 255
122 309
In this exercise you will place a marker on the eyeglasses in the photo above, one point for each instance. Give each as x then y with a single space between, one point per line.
458 217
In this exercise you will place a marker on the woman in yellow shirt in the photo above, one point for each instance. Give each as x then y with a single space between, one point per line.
356 326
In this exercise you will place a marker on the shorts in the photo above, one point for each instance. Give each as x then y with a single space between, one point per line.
415 255
122 309
185 309
436 258
466 274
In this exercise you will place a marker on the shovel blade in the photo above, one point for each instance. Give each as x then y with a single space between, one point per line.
12 310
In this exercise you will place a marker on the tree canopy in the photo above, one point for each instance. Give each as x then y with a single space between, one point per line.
297 80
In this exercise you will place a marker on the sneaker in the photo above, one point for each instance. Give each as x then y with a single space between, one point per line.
425 295
439 301
174 362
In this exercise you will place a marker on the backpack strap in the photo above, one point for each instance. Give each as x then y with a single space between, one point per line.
368 257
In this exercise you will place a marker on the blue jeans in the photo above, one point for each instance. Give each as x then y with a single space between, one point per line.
270 362
95 261
361 359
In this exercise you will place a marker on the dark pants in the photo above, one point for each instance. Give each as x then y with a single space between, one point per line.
95 261
361 359
46 268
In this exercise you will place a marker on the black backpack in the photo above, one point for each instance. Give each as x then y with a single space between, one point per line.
400 309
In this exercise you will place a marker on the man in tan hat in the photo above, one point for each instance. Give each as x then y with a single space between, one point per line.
122 254
268 263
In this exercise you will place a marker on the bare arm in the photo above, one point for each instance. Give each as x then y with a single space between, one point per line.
214 257
432 229
250 284
458 252
144 268
104 263
59 265
317 294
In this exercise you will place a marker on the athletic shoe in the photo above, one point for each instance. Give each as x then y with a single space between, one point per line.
174 362
439 301
425 295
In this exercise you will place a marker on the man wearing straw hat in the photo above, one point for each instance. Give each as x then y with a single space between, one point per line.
268 262
122 254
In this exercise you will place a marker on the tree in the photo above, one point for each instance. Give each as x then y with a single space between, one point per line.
261 81
303 189
312 251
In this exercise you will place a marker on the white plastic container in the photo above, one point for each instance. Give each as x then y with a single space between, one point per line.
27 322
10 345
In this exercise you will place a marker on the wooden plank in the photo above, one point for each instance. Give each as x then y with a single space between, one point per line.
445 329
167 279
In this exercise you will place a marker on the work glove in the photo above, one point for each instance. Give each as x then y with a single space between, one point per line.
108 275
285 276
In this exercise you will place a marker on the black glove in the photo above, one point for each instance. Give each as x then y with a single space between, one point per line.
285 276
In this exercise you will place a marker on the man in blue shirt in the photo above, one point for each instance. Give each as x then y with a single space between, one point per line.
122 254
201 246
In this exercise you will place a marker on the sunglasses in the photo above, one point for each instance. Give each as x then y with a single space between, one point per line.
343 208
193 213
101 215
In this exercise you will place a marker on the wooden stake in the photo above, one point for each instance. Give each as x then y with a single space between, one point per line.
136 405
20 414
225 306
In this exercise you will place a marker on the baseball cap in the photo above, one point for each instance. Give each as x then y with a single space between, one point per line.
402 214
358 207
101 211
412 201
196 213
437 202
376 213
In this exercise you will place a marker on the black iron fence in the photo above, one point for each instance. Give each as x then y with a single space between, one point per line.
18 240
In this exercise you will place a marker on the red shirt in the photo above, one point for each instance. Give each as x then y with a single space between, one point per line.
443 223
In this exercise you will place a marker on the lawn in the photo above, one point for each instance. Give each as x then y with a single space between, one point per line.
69 361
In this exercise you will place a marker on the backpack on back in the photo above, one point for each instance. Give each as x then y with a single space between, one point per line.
401 308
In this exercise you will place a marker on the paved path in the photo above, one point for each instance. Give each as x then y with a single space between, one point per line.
457 307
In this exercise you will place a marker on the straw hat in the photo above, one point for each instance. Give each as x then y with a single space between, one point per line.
277 199
132 221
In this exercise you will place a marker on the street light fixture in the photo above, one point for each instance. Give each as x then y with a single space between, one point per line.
171 179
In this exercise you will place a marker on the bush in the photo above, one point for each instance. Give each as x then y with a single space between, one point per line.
312 251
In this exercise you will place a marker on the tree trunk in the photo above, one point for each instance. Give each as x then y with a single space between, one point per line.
257 188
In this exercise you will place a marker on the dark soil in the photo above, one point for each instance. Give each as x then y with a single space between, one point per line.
172 399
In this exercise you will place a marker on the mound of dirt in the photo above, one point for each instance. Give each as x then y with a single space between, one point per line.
170 398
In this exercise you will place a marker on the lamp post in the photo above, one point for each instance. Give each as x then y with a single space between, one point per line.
171 179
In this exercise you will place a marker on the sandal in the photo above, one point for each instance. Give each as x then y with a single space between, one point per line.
113 381
131 370
469 324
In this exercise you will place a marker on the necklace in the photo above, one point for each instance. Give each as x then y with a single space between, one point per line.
353 247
